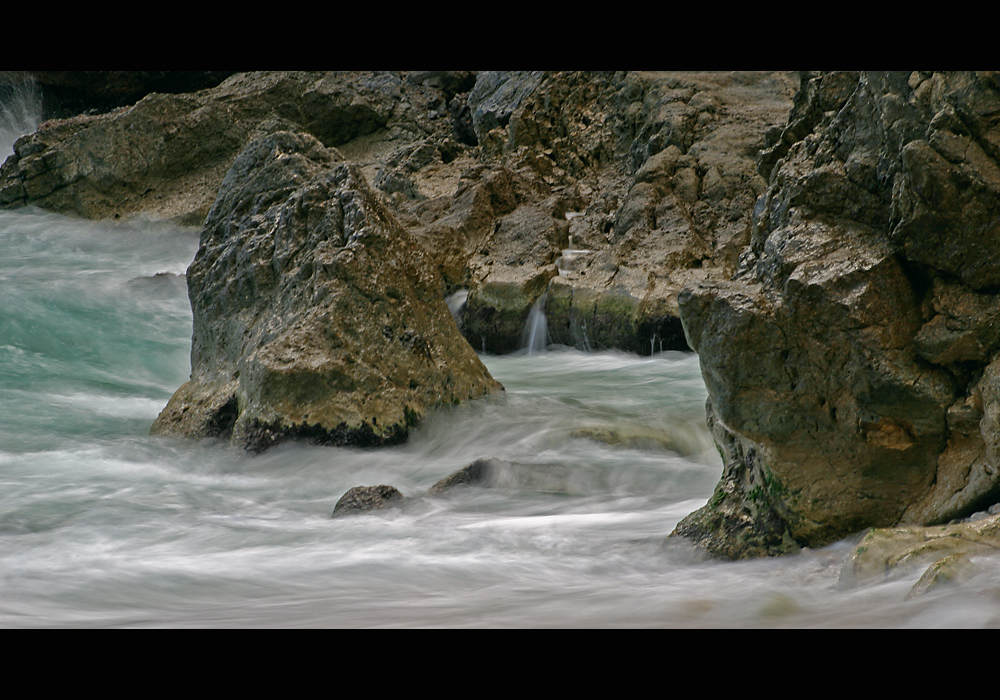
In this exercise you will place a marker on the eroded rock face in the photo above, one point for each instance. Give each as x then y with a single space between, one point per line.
850 361
316 316
647 178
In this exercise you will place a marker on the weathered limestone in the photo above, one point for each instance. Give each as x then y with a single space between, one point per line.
652 175
850 362
316 316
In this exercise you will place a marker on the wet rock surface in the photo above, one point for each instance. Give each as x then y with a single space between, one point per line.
944 552
362 499
482 472
850 361
316 316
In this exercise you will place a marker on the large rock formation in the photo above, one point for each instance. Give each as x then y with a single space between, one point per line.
851 362
648 179
610 191
316 316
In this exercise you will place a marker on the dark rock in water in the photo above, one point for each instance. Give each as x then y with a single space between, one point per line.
159 281
316 316
498 473
850 362
364 498
482 472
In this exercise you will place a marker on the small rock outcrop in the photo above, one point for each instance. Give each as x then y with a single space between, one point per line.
316 316
851 362
945 550
361 499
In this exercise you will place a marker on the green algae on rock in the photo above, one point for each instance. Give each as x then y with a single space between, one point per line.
316 316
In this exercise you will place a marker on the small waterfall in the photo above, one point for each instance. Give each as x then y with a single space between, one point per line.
20 114
456 302
536 331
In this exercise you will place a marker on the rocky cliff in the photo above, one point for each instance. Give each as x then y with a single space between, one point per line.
851 360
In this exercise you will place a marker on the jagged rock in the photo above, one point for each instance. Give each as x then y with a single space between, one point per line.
652 174
848 361
361 499
316 316
660 165
495 96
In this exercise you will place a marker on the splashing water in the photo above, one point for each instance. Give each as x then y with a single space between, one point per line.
20 114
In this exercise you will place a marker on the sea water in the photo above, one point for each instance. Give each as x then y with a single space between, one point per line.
103 525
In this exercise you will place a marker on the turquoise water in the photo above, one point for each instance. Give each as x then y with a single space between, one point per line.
103 525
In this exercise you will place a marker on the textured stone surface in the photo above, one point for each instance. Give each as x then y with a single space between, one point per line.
361 499
944 550
166 155
849 362
316 316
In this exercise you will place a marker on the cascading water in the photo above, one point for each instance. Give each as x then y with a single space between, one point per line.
456 302
20 114
536 331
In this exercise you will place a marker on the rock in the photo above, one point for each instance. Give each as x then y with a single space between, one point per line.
498 473
945 550
496 94
482 472
954 568
316 316
166 155
652 174
365 498
848 362
484 169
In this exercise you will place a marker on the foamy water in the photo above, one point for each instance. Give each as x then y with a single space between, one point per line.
103 525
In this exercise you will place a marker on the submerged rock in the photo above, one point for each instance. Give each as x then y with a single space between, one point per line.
851 363
945 550
365 498
316 316
498 473
482 472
